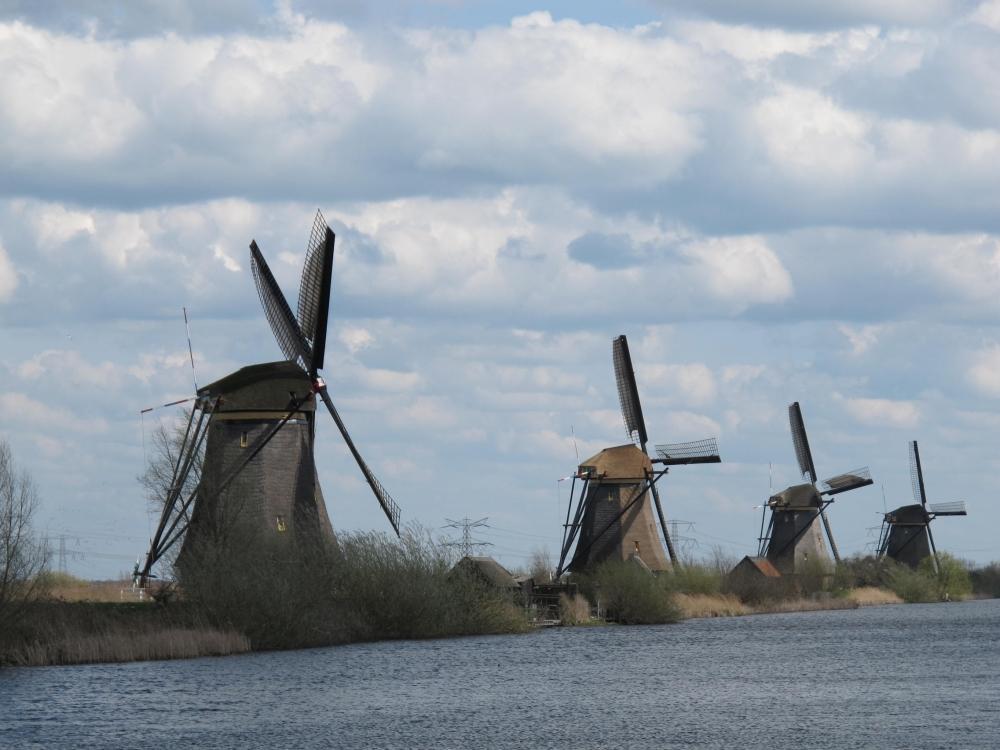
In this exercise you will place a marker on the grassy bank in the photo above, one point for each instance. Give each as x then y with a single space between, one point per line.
729 605
370 587
260 596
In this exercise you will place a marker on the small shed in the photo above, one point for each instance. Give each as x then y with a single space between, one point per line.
489 571
754 567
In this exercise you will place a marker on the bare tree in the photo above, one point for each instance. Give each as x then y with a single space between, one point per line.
167 442
22 555
540 567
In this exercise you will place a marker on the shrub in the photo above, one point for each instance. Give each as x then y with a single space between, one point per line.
986 580
406 589
631 594
861 571
913 586
366 587
694 579
952 578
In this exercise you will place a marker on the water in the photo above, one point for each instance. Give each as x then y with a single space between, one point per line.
918 676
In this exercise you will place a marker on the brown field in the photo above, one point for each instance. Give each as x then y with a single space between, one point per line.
69 589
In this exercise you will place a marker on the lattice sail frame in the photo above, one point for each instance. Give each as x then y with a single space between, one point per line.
697 451
628 392
917 475
801 442
297 348
849 480
311 284
279 315
956 508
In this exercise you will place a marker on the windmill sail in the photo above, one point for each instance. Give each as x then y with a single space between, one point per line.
801 442
314 299
956 508
850 480
917 475
277 311
696 452
314 289
628 392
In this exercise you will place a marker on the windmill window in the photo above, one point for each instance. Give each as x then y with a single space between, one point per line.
282 526
243 440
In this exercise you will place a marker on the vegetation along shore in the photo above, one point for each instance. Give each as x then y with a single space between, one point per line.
384 588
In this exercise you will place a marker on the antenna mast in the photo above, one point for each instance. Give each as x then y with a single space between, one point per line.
187 328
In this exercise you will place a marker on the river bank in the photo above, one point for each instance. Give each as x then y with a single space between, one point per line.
86 632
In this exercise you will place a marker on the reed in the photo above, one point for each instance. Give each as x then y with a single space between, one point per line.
710 605
574 610
56 633
868 596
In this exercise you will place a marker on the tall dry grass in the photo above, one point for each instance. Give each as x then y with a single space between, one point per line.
74 633
868 596
574 610
710 605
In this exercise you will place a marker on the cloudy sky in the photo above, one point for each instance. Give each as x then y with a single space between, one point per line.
775 201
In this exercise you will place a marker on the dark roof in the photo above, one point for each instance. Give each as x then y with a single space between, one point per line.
265 386
759 564
492 571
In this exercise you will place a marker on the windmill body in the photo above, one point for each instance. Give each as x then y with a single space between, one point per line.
794 541
908 539
616 476
277 494
906 531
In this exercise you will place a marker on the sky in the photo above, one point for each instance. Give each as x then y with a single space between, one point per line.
778 201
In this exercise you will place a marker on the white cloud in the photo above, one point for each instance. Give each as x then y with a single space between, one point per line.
27 410
984 373
741 269
987 14
55 224
356 338
8 276
683 426
883 412
391 380
861 338
69 366
691 384
228 261
810 137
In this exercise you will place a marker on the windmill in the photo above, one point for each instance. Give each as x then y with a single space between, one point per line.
613 517
906 531
793 537
257 426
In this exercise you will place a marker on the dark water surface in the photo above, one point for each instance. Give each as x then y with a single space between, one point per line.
918 676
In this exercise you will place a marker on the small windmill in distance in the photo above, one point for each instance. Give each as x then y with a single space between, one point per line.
793 537
906 531
613 517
